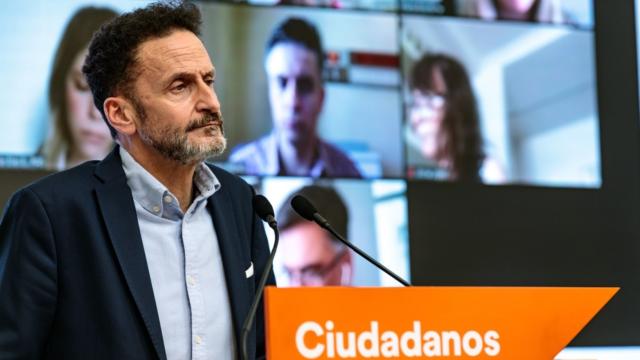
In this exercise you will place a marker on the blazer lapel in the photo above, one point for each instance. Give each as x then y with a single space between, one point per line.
221 208
116 203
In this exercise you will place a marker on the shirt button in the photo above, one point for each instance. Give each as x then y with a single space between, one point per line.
156 209
198 340
168 199
191 280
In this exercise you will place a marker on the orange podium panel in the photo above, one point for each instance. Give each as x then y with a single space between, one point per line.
427 322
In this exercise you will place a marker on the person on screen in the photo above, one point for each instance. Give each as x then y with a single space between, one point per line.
77 133
338 4
444 121
545 11
294 61
150 253
311 256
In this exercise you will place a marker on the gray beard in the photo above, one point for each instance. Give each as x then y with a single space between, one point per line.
176 146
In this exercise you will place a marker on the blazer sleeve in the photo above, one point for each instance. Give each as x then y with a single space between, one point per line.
260 253
28 278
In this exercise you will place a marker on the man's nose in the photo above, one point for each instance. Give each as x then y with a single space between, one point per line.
207 98
292 94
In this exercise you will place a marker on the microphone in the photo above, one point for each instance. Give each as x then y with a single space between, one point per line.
306 209
264 210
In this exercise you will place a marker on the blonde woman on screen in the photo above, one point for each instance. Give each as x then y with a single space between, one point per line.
77 133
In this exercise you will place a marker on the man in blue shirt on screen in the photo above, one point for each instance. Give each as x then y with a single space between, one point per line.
294 62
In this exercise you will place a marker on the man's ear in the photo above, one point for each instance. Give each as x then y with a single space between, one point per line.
120 115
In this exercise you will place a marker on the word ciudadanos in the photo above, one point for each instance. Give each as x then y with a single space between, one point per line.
314 341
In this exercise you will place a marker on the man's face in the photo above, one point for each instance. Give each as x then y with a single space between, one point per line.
295 91
310 258
178 112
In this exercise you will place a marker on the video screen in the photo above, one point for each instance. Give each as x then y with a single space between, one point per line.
377 5
575 13
48 117
500 102
361 105
372 214
287 114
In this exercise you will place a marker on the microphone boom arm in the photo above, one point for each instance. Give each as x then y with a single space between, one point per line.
325 224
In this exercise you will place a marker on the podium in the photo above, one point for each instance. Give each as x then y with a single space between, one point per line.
523 323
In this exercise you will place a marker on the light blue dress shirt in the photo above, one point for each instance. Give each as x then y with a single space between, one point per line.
185 265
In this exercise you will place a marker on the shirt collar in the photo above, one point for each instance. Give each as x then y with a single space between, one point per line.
153 196
274 167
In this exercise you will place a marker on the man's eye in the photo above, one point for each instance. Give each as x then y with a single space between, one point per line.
305 85
313 270
282 82
179 87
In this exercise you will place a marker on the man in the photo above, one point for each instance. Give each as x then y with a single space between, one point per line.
293 62
150 253
309 255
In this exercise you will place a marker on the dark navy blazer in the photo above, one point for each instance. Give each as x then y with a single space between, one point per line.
74 282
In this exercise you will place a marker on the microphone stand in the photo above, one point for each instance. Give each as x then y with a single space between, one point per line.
248 321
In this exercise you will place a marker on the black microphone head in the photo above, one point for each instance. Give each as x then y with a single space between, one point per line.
263 208
303 207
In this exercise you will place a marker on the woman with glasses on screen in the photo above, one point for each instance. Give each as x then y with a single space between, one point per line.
444 123
77 133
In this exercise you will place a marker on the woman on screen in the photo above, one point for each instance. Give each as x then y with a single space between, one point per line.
544 11
444 122
77 133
